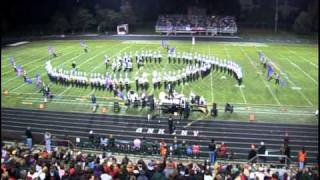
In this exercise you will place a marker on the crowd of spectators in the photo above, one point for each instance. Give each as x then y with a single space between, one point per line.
57 162
142 146
218 24
60 163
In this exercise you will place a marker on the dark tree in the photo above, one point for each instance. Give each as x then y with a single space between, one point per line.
82 19
59 23
107 19
127 12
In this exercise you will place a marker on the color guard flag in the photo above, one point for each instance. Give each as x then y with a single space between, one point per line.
11 60
172 50
19 70
270 70
162 43
50 50
261 56
37 80
82 43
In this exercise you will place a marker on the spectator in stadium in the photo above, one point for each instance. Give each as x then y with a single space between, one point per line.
163 148
142 175
129 172
196 150
222 150
91 137
111 141
252 153
170 125
159 168
189 150
47 139
169 169
302 156
262 150
77 165
286 138
105 175
104 142
182 148
150 169
137 144
285 150
29 137
212 152
207 175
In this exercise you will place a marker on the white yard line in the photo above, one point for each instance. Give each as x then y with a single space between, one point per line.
31 70
60 94
30 52
30 62
182 88
302 94
90 71
18 55
23 84
301 57
99 65
267 85
212 95
152 90
41 75
240 88
90 93
211 74
292 83
299 68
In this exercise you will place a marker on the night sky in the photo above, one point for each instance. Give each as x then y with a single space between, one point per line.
20 13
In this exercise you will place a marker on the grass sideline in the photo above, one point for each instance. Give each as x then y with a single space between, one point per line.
294 104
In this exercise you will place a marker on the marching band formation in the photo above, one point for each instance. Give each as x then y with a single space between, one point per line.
197 65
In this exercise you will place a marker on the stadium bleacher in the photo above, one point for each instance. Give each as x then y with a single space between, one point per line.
62 163
196 24
126 128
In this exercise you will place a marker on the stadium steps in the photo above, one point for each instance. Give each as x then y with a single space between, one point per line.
236 135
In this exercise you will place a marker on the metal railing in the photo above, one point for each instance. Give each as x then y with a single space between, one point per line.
258 156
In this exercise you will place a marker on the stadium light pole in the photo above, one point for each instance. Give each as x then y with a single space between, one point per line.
276 18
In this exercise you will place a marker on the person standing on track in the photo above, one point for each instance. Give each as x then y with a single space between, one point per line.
212 152
94 105
302 155
163 149
47 139
29 138
170 125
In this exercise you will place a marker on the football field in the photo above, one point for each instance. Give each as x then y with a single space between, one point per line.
295 102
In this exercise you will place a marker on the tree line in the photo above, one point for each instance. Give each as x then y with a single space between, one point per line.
82 20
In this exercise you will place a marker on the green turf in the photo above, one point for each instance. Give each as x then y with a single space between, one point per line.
268 101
